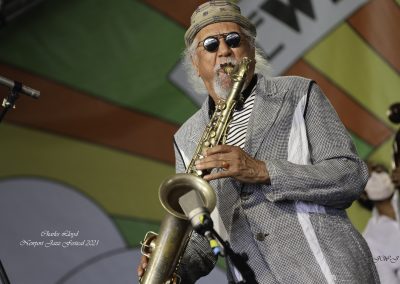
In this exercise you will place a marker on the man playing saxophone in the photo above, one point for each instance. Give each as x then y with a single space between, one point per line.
285 174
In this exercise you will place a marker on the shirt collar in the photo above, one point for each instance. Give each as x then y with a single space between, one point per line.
395 203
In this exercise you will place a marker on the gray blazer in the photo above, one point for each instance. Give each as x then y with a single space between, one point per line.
294 230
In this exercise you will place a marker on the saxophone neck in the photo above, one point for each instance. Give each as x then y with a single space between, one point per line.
238 76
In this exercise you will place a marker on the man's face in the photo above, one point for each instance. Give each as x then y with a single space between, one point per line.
208 63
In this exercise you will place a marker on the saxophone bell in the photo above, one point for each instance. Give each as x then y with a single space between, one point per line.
165 249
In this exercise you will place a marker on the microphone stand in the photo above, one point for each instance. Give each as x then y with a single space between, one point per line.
193 207
239 261
16 89
11 99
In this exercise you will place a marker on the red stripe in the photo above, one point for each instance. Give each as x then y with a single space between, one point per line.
72 113
378 22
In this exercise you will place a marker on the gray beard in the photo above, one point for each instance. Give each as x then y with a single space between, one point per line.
219 89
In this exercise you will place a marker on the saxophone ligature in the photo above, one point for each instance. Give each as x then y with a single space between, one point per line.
166 249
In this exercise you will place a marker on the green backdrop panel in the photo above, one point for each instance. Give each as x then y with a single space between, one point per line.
363 148
103 48
133 230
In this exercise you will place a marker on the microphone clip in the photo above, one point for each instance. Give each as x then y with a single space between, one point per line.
194 208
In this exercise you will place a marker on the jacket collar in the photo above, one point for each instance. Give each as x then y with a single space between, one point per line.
267 103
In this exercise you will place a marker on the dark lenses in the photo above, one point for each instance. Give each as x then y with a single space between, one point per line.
211 43
232 40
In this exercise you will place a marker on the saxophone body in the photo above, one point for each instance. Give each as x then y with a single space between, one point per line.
166 249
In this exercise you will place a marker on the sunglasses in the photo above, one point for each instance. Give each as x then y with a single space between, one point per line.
211 43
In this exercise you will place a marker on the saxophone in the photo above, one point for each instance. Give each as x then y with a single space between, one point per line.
166 249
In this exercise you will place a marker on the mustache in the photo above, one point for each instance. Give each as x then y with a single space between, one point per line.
222 61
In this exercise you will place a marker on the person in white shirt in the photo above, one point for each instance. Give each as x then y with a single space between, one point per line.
383 229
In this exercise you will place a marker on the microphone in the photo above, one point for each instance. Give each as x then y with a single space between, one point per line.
393 113
194 208
20 88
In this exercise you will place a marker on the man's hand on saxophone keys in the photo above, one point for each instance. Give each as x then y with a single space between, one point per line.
142 265
235 163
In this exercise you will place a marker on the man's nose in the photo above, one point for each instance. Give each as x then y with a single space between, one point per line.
223 49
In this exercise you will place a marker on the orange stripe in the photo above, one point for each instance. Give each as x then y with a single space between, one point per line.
378 22
69 112
354 117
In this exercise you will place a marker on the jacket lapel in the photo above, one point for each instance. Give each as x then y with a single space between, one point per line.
196 132
267 104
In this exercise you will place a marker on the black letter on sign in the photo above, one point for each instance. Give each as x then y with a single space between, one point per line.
286 13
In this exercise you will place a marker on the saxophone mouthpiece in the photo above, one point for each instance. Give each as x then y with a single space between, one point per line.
227 68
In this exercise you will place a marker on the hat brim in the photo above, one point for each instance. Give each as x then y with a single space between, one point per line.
238 19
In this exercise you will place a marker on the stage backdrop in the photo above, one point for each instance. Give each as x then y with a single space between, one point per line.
113 92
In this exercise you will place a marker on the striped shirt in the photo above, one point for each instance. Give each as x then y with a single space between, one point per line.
238 125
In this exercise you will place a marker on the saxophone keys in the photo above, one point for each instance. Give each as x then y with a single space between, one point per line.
148 244
220 107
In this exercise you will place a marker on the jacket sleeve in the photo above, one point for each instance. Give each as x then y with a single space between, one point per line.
198 259
335 176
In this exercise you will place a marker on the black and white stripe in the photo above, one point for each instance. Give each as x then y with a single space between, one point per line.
238 125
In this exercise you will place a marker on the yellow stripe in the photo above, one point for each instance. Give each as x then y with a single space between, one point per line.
354 66
358 216
121 183
383 154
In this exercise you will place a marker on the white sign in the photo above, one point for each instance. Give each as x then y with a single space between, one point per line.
286 29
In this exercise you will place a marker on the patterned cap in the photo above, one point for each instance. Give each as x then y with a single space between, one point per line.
215 12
